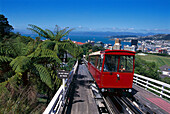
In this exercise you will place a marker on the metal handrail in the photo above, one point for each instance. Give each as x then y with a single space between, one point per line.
59 98
152 84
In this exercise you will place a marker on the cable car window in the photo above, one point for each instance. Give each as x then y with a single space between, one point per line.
99 63
92 60
126 64
111 63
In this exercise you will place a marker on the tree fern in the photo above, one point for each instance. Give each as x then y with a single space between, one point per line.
57 35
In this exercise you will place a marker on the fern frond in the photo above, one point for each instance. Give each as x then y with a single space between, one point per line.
20 64
39 31
47 45
5 59
44 74
45 53
50 33
56 49
67 32
7 50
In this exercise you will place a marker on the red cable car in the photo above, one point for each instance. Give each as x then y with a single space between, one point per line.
112 69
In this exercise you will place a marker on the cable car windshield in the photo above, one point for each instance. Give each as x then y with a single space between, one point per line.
126 64
111 63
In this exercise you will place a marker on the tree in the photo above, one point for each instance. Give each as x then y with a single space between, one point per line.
57 35
19 57
5 27
54 40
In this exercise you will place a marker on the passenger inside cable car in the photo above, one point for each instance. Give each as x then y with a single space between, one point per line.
121 68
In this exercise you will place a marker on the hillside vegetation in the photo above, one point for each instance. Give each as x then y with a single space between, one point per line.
29 67
159 60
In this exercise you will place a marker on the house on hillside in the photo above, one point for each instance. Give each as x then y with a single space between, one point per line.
78 43
165 70
99 43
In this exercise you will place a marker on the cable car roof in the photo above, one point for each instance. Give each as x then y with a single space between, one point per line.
110 51
95 53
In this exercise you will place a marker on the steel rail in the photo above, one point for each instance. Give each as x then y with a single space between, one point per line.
110 106
131 106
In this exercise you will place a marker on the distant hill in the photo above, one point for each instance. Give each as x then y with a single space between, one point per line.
122 36
108 34
156 37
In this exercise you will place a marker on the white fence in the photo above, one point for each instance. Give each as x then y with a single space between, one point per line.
59 98
158 87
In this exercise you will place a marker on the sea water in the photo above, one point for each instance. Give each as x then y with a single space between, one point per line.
84 39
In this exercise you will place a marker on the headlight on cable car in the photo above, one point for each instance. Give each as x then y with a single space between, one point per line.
102 89
130 90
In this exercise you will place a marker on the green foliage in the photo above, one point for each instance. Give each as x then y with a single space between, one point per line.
43 73
166 80
20 64
54 43
159 60
5 27
88 48
149 69
57 35
71 48
27 63
5 59
20 100
70 64
45 53
97 48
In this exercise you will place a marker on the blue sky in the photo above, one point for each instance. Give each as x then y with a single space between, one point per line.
89 15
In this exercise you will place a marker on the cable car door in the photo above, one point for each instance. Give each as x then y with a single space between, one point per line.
110 68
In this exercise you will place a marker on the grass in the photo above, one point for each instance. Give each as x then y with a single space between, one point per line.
159 60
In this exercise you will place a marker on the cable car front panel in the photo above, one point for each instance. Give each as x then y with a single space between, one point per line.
117 71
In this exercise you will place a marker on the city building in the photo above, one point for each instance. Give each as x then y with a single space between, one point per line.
130 48
163 51
99 43
108 46
143 47
78 43
117 45
165 70
91 42
134 44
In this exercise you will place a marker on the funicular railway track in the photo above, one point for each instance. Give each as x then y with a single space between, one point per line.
114 104
118 105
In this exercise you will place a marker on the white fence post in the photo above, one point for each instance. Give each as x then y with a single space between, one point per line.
161 91
146 85
136 80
